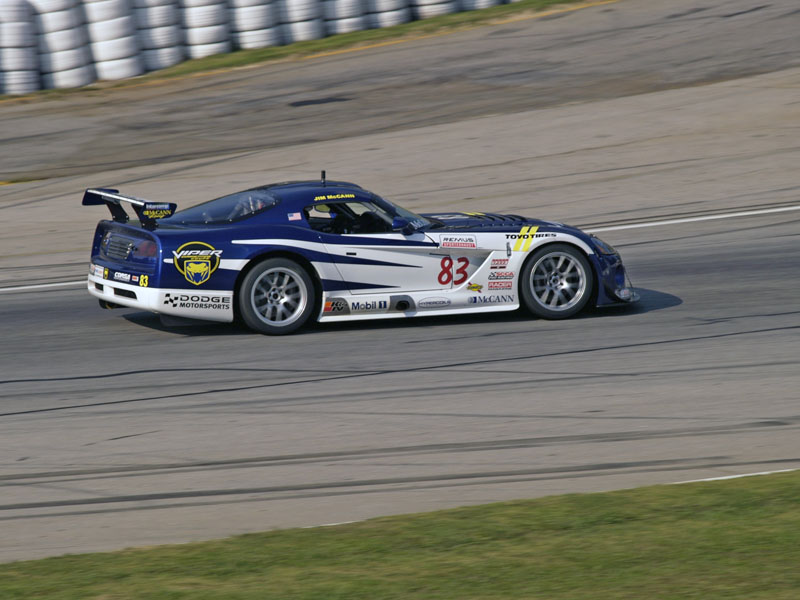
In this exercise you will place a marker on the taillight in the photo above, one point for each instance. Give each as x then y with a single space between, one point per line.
145 249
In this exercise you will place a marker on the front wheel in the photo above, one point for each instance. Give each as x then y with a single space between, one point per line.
276 297
557 282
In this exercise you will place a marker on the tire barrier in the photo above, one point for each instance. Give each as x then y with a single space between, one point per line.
159 31
205 27
343 16
301 20
19 56
72 43
64 57
254 24
387 13
425 9
113 41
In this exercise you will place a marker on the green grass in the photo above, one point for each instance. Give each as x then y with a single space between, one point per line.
243 58
728 539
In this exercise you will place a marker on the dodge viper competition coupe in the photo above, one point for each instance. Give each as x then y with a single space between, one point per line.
278 255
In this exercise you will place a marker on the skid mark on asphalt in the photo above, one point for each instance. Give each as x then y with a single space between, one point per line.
386 485
627 346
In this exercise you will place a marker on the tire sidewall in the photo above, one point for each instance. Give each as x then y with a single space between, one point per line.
244 293
525 282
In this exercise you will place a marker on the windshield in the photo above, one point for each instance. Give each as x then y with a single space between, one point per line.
415 220
227 209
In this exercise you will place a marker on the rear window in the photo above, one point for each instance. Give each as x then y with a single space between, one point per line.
227 209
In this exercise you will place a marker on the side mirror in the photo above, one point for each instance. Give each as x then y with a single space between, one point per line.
402 225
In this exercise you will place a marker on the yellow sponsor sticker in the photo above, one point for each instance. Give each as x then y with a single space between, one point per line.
525 238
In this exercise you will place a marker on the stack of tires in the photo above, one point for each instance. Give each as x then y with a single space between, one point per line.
479 4
254 24
386 13
301 20
19 64
343 16
425 9
112 39
64 57
205 27
160 34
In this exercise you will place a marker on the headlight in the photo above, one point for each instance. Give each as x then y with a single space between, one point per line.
602 246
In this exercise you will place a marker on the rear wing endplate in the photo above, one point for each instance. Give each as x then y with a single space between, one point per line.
148 212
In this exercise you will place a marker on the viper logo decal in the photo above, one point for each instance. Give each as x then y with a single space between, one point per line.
197 261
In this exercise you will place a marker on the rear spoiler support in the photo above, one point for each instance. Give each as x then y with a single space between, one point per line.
148 212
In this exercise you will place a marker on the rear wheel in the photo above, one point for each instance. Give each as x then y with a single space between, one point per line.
557 282
276 297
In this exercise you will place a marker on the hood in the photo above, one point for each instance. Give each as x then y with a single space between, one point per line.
480 221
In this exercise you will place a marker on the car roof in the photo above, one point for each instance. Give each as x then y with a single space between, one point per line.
296 194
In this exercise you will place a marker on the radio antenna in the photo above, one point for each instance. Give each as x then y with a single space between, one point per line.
323 177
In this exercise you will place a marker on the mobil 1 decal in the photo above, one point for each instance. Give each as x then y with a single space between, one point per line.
196 261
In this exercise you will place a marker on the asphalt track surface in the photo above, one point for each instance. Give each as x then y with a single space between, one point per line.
116 431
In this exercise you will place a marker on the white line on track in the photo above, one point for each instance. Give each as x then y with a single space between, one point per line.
748 213
723 477
41 286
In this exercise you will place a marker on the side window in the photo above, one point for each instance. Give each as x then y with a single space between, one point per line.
348 217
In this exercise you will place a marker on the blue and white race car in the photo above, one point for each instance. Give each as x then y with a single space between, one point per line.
279 255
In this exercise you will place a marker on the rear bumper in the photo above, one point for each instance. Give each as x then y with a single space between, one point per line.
209 305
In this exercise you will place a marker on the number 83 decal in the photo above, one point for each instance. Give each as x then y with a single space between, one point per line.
457 277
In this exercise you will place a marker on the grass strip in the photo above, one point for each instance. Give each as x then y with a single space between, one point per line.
244 58
726 539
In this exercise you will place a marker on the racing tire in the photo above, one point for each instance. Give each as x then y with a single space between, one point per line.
203 50
105 31
428 11
213 34
298 11
66 60
477 4
168 36
17 35
253 18
276 297
120 68
117 49
557 282
19 59
337 26
204 16
137 4
47 23
341 9
19 82
161 58
49 6
379 20
15 11
248 40
302 31
58 41
157 16
383 6
106 10
77 77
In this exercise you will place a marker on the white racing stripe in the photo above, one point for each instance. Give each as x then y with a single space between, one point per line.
748 213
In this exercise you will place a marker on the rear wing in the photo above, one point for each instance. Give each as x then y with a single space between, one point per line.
148 212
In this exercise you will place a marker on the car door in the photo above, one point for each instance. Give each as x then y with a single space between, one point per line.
373 259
